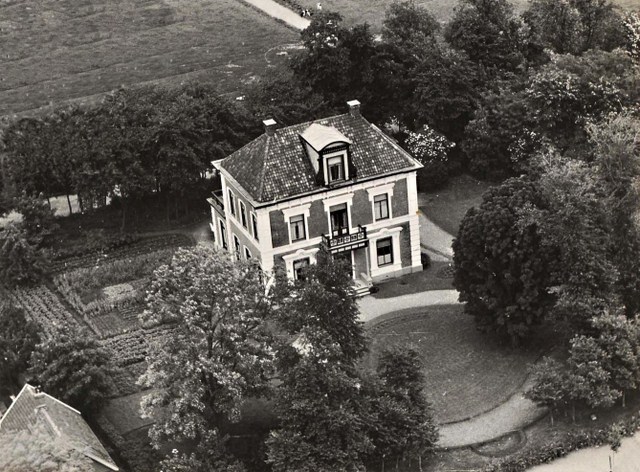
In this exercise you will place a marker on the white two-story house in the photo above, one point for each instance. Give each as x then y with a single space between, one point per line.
338 181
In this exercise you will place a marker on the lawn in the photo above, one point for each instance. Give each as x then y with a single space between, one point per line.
466 372
438 276
372 11
446 207
59 50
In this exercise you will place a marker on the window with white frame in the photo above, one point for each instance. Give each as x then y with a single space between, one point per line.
247 253
223 235
297 228
236 246
254 225
335 169
232 203
299 266
243 214
381 207
384 251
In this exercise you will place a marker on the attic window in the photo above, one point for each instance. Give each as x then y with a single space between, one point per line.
335 166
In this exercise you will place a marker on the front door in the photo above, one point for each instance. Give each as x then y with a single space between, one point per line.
339 220
346 256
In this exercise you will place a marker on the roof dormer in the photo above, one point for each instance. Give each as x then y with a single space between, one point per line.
328 151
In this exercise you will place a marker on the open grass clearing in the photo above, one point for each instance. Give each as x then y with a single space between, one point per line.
466 372
124 413
446 207
54 51
372 11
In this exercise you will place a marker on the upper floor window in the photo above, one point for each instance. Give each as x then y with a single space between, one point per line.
335 167
243 214
339 218
232 203
297 230
254 225
384 251
381 207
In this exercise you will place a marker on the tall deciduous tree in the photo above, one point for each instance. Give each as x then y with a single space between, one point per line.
501 267
403 424
21 261
488 32
217 354
321 403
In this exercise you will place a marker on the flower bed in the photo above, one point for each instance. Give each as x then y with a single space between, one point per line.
82 287
43 306
132 347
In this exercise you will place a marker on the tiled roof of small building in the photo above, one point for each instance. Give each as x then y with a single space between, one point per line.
276 167
30 408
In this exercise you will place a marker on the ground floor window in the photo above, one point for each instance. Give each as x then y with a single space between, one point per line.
384 252
236 244
247 253
299 267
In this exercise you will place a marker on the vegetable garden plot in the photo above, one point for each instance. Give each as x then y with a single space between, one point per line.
43 306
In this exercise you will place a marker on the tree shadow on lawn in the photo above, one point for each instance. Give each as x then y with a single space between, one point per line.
467 372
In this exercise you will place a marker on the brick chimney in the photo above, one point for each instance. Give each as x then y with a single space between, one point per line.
269 126
354 107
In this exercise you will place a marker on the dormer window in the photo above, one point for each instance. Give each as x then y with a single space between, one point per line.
328 152
335 166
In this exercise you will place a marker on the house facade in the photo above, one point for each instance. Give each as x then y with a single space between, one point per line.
338 182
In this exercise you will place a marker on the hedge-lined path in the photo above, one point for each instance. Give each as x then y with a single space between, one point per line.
513 415
279 12
627 459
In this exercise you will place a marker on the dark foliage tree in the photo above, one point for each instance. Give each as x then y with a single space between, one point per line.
575 26
502 269
489 33
21 261
73 367
281 96
403 422
18 339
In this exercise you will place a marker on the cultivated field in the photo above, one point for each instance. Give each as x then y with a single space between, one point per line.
372 11
52 51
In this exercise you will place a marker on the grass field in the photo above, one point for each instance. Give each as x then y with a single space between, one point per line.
446 207
52 51
372 11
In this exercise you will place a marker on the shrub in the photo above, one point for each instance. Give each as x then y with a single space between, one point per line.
431 149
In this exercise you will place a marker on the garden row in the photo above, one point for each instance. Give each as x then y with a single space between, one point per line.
44 308
84 288
132 347
130 246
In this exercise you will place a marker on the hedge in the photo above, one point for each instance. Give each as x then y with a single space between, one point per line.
560 448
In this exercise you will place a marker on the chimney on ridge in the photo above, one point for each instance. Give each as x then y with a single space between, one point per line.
269 126
354 107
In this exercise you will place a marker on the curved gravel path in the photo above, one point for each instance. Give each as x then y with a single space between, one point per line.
515 414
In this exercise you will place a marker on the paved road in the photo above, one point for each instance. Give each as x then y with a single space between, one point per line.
281 13
596 459
371 308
